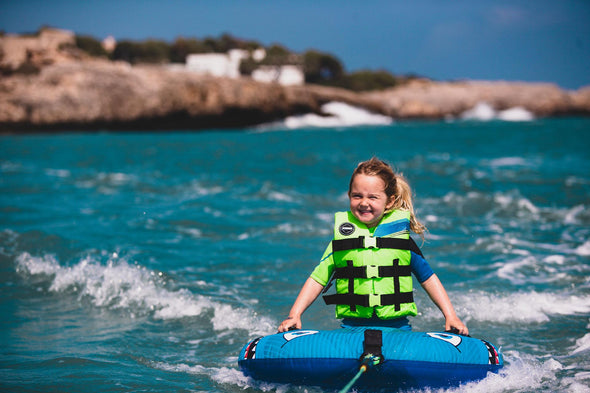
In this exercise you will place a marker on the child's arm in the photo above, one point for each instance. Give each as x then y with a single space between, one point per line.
310 291
439 296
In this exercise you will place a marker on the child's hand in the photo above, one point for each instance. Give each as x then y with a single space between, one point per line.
289 323
455 325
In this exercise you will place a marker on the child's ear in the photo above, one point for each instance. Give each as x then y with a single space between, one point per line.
390 203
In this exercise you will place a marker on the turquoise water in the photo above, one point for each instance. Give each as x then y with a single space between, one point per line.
142 262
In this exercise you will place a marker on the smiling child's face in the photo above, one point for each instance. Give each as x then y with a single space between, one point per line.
368 201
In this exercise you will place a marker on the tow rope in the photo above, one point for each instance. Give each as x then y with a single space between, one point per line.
372 356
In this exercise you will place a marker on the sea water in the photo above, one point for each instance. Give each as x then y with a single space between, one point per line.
143 262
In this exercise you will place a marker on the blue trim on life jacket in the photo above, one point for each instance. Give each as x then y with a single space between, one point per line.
391 228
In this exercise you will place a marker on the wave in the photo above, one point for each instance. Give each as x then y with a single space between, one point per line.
484 112
137 290
231 376
508 161
582 344
521 373
107 183
510 204
335 115
584 249
519 307
524 268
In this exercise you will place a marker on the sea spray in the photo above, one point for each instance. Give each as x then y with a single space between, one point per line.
117 285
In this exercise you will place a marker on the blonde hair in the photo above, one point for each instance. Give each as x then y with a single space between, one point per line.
396 189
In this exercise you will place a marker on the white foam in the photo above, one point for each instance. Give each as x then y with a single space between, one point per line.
197 188
280 197
515 114
353 115
520 307
58 172
571 181
10 167
522 373
571 217
337 114
192 232
224 375
107 182
508 161
555 259
522 204
430 218
47 265
483 111
526 269
115 178
583 249
511 203
227 317
119 285
582 345
325 217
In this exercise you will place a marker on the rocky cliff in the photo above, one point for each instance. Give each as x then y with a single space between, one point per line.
48 84
426 99
106 95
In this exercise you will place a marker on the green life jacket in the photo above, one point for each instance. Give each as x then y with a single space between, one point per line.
372 270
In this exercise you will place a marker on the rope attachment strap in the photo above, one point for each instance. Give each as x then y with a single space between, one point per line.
372 347
371 357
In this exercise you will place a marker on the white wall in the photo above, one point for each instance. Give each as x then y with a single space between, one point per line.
285 75
216 64
228 65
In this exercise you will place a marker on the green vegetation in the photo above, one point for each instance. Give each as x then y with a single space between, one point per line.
150 51
318 67
369 80
321 68
91 45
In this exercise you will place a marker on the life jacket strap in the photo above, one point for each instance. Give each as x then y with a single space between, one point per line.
375 242
352 299
372 271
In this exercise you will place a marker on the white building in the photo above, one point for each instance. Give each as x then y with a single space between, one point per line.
215 64
228 66
109 44
259 54
284 75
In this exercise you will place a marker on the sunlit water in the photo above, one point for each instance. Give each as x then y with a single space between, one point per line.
144 261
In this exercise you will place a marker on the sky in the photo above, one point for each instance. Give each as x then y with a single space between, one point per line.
516 40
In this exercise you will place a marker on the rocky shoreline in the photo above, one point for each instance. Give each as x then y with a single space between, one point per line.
93 94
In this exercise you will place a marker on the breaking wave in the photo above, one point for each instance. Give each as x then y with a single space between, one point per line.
335 114
137 290
484 112
518 307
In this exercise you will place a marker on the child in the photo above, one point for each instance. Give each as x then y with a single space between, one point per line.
372 257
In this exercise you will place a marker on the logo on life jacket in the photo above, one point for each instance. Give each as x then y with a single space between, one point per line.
346 229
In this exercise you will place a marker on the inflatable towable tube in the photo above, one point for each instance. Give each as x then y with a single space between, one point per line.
331 358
